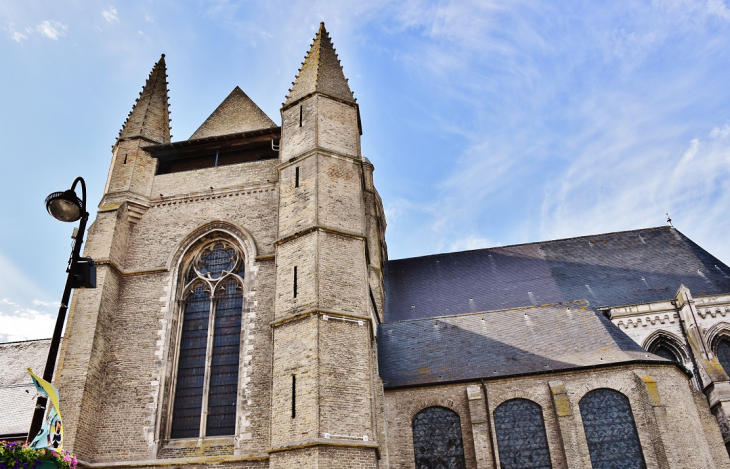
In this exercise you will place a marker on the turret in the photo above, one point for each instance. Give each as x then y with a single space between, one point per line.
132 169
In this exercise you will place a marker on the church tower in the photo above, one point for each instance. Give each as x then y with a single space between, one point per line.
324 371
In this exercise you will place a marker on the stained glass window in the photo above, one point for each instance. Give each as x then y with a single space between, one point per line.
665 352
610 430
437 440
521 439
723 354
209 361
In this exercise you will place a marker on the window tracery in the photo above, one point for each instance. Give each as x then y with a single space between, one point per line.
437 440
206 389
610 430
521 438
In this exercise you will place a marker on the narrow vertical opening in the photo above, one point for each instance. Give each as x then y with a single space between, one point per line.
216 159
296 176
295 281
293 396
300 115
125 158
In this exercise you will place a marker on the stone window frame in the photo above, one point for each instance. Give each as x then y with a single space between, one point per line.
636 422
670 341
215 288
715 335
542 420
168 348
449 409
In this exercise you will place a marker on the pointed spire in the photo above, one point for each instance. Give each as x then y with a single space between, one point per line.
150 116
321 72
237 113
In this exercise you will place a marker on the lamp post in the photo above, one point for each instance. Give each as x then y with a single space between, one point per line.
66 206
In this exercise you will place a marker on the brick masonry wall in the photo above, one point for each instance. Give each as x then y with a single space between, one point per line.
297 204
337 128
222 177
295 353
296 139
671 418
339 194
342 282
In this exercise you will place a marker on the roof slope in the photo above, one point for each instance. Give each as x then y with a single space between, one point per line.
500 344
237 113
321 72
150 116
16 388
606 270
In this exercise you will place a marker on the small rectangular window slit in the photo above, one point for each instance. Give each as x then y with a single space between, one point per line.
125 158
300 115
293 396
295 281
296 176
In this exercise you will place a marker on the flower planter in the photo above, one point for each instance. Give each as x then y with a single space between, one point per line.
48 465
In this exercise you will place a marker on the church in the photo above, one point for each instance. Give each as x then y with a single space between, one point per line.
246 315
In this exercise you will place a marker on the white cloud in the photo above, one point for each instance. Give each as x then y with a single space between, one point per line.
19 323
110 15
55 304
52 29
718 8
148 18
471 242
721 132
14 35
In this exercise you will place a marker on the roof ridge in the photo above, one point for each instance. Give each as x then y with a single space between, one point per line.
493 311
611 233
23 341
235 114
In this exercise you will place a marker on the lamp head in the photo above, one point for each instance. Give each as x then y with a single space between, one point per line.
64 206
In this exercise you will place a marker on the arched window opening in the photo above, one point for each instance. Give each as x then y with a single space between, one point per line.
437 441
208 360
665 352
723 353
610 430
521 438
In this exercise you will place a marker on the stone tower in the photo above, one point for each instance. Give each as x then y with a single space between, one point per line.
324 369
239 288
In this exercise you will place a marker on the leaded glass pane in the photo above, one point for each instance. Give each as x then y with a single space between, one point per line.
191 365
521 437
723 354
437 441
224 366
665 352
611 431
216 260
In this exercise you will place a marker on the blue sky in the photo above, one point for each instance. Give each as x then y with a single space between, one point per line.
489 122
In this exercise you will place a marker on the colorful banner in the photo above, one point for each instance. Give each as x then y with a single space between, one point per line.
51 433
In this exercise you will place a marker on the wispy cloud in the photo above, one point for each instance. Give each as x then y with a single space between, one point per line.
19 323
14 35
51 29
110 15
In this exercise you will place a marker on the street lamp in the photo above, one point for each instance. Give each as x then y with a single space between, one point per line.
66 206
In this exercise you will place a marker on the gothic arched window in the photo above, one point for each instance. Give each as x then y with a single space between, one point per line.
723 353
665 352
437 441
207 365
610 430
521 439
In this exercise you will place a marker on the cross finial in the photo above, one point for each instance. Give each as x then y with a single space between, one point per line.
669 220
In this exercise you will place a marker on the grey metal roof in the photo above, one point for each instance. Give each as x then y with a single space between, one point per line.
500 344
605 270
16 388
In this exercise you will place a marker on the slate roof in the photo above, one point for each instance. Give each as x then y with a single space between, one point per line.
605 270
321 72
237 113
16 389
502 343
